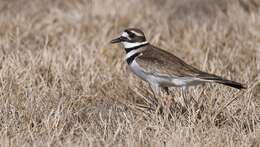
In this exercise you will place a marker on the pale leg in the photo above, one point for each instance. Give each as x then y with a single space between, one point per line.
155 90
167 102
184 95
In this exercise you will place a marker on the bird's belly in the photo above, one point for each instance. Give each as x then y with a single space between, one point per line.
162 80
151 78
169 81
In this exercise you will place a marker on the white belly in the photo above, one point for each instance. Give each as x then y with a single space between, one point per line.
164 81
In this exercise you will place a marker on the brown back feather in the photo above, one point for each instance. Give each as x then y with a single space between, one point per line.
157 61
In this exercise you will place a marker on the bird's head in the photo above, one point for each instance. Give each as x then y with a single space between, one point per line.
131 38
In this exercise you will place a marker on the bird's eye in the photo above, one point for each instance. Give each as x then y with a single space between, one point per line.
131 35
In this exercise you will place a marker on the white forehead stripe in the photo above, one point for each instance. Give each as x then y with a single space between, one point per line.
124 34
136 33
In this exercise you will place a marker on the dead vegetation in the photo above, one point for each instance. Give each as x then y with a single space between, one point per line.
63 84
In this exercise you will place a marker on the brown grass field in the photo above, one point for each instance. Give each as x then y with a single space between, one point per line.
63 84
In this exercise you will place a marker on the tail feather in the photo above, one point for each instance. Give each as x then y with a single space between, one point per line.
220 80
231 84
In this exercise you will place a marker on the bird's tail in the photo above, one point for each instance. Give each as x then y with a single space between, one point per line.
220 80
231 83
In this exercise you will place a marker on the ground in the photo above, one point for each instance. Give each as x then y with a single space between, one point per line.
63 84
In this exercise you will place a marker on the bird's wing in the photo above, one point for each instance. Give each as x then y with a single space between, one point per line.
160 62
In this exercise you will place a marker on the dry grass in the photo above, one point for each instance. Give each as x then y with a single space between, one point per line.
63 84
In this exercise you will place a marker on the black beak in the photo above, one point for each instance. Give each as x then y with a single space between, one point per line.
117 40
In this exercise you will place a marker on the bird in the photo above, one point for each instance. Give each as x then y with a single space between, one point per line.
162 69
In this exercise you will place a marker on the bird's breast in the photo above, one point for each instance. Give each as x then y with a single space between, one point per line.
139 71
149 77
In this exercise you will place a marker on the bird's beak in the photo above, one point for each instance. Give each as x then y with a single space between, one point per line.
117 40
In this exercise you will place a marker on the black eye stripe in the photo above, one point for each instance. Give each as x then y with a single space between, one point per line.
133 39
126 39
130 33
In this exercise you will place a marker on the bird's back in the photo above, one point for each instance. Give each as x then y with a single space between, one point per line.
158 61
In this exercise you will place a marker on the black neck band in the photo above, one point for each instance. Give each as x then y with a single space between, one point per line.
131 58
127 50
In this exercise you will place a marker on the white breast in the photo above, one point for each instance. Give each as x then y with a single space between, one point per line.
138 70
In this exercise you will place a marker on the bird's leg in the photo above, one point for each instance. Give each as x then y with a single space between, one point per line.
195 102
158 102
167 102
189 101
184 96
155 92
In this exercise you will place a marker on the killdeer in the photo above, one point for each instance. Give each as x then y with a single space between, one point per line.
160 68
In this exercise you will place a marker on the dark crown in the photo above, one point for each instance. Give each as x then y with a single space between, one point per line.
131 35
